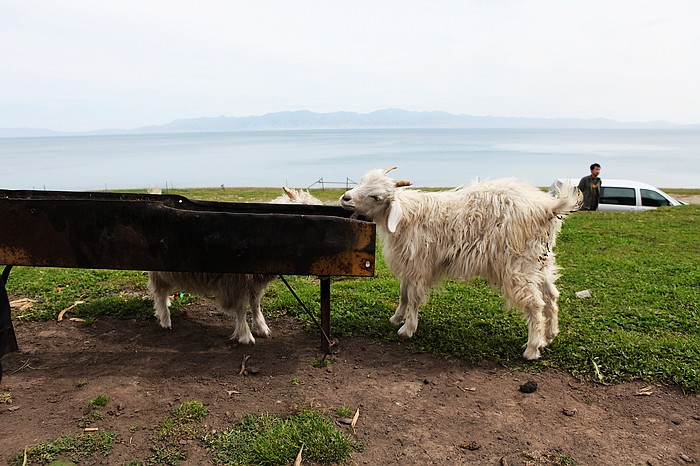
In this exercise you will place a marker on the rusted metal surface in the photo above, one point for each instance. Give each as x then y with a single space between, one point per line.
152 232
173 233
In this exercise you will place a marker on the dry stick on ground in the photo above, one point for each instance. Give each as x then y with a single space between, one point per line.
297 462
23 366
354 420
245 359
22 303
646 391
60 314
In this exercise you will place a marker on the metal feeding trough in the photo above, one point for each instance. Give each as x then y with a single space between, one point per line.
174 233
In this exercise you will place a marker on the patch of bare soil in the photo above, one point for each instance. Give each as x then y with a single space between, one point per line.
414 408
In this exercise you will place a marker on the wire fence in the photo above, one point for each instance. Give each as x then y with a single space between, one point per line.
347 184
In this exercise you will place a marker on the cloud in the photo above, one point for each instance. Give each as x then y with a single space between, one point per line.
80 65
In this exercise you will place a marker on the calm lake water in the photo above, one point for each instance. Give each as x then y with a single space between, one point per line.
298 158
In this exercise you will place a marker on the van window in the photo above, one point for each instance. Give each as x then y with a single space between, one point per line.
617 196
653 199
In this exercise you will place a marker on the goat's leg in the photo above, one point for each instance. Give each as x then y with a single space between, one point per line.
260 327
550 294
535 330
160 291
161 304
415 295
398 317
237 307
520 291
242 331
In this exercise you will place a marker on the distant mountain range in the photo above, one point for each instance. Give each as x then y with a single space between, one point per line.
387 118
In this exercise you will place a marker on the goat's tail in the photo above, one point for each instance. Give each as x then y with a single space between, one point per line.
568 199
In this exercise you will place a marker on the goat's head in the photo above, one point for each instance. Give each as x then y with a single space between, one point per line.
373 197
292 196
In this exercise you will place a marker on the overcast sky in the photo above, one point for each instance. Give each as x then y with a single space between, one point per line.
79 65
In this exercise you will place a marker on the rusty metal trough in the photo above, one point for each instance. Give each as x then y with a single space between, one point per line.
173 233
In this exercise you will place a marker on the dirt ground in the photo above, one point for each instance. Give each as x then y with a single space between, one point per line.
414 408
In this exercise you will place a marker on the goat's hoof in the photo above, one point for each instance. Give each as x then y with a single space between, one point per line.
163 318
405 333
263 332
551 336
396 321
531 354
167 325
243 340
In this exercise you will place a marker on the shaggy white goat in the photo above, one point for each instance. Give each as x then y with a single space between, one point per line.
501 230
234 291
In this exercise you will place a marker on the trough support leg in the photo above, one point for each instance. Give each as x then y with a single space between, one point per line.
325 324
8 341
325 313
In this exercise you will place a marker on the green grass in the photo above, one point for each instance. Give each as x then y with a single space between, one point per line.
328 196
343 411
272 440
92 413
642 321
683 192
100 401
73 448
104 293
184 423
260 439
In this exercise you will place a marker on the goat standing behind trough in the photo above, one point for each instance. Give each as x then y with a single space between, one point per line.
234 291
501 230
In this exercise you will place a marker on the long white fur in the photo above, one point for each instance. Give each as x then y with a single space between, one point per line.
501 230
235 292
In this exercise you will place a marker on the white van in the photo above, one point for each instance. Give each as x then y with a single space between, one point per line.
624 195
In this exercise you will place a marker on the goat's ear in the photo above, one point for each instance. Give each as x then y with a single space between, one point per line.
387 170
395 214
290 194
400 183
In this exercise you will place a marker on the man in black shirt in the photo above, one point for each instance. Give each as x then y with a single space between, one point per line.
590 187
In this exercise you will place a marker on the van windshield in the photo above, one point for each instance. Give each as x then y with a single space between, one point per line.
653 199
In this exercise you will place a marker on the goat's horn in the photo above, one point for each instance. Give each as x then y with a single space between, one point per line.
387 170
290 194
400 183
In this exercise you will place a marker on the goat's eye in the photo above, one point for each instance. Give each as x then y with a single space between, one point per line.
376 198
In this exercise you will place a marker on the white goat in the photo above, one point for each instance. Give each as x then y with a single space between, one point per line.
234 291
501 230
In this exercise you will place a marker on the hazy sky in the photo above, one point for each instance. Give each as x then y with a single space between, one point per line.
79 65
